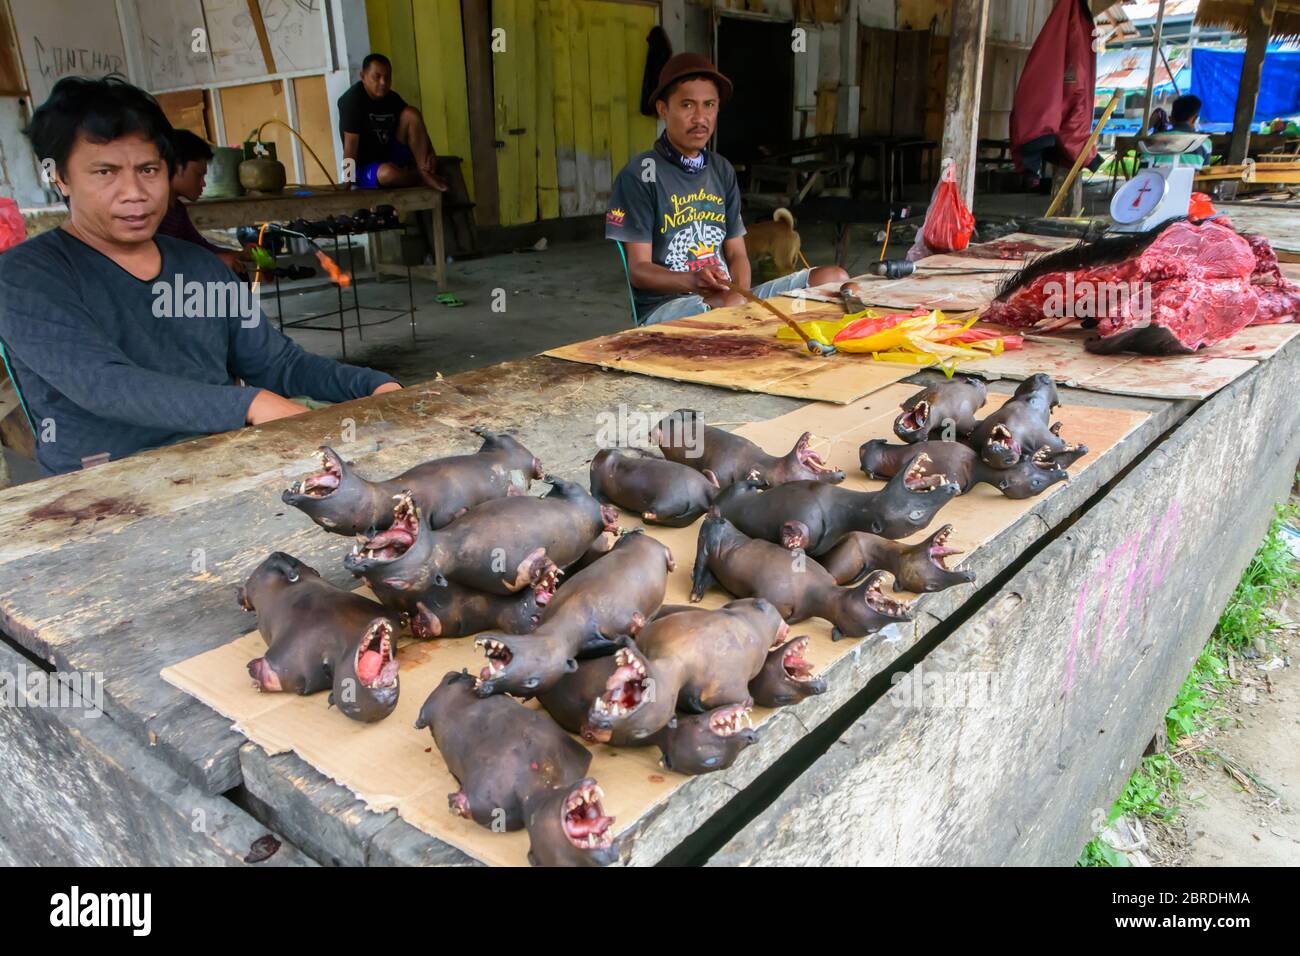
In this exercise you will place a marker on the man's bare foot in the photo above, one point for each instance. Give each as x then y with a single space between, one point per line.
434 181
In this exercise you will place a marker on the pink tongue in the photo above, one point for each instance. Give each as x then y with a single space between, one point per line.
592 824
368 666
390 537
625 674
328 480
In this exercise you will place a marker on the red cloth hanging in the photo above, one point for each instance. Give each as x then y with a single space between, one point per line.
1055 94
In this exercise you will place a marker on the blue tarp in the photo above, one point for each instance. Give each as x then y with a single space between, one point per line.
1216 74
1127 126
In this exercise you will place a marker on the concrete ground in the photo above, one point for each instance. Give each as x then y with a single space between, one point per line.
570 292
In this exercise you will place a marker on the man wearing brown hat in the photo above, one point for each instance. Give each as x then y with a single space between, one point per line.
676 207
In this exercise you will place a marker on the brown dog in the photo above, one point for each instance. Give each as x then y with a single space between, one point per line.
774 237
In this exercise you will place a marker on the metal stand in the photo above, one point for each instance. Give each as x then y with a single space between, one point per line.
341 313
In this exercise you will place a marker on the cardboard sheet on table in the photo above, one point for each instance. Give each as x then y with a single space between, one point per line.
1002 256
1281 225
390 765
1199 375
1014 249
934 290
737 348
1255 342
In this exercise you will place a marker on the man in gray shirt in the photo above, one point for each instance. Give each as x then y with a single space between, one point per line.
676 208
118 340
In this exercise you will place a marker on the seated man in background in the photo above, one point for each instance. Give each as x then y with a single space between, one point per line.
118 339
676 207
382 135
1185 114
191 155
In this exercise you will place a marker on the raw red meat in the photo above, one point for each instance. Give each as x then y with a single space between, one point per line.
1279 297
1277 304
1192 286
1265 257
1184 315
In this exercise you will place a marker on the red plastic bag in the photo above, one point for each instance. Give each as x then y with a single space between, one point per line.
13 229
948 223
1200 207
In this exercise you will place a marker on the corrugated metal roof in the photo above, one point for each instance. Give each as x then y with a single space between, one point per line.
1146 12
1127 69
1235 15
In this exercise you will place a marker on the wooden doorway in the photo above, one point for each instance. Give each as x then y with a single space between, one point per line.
756 56
566 101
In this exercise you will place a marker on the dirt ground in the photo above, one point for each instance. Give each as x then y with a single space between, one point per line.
1241 778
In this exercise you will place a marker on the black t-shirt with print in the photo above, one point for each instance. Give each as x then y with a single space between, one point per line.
685 216
375 121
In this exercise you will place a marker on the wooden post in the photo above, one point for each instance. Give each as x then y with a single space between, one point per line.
1072 179
482 113
259 27
848 101
1252 67
1151 69
961 124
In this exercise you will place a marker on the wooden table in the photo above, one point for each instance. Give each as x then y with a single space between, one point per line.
132 566
251 210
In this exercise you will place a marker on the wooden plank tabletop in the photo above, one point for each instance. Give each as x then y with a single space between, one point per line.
131 566
314 204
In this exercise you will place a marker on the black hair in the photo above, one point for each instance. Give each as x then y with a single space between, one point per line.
100 110
375 58
671 88
1184 108
189 147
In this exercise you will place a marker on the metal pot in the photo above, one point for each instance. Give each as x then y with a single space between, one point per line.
262 175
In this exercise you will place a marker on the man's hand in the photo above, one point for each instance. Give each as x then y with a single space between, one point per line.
386 387
710 280
233 262
268 406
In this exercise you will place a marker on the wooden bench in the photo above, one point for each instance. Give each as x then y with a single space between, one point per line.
127 568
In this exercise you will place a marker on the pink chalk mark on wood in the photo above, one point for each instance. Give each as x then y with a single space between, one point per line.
1100 629
1073 649
1138 567
1138 561
1168 528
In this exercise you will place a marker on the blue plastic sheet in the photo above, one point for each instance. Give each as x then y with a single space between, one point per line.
1216 74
